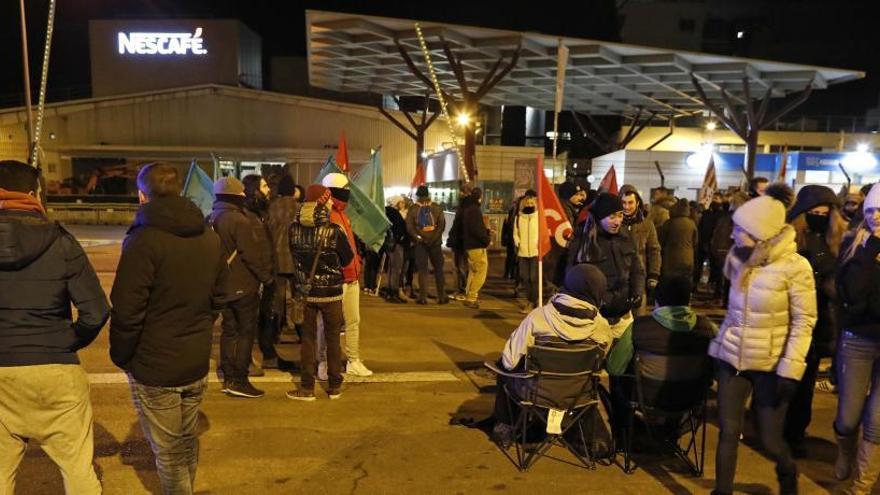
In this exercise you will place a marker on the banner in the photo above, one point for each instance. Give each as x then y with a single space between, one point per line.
368 221
199 188
370 181
710 184
552 221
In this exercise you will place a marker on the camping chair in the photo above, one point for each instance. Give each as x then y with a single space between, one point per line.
558 386
673 389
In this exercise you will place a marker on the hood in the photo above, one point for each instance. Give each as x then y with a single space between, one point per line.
681 209
311 214
24 237
573 319
174 214
811 196
675 318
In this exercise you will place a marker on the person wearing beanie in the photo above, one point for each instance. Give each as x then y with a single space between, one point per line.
476 238
603 242
351 291
858 351
678 236
282 210
571 317
320 250
572 197
246 251
425 224
763 342
644 235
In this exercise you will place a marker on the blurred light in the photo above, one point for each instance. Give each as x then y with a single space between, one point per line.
700 159
711 125
859 161
574 166
740 34
862 147
424 154
463 119
590 178
52 135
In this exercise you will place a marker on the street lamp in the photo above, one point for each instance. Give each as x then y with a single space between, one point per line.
711 125
463 119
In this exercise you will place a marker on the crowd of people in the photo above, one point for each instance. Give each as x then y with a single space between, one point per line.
795 274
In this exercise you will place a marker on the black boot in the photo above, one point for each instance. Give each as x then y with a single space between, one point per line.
788 484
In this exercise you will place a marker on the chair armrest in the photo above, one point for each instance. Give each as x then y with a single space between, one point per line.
497 370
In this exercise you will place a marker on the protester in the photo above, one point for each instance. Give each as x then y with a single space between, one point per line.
679 239
409 255
320 249
661 202
644 235
168 290
602 242
722 242
703 248
572 197
282 211
256 194
397 246
858 351
455 242
475 240
757 186
351 298
247 251
44 392
763 342
425 223
525 240
511 260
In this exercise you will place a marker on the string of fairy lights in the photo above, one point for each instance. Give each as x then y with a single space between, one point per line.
443 103
44 78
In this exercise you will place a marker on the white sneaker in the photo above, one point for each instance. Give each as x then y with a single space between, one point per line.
322 371
356 368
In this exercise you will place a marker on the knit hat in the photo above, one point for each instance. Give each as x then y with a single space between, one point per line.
811 196
872 200
586 282
567 190
318 194
762 217
606 204
422 192
334 180
286 186
229 185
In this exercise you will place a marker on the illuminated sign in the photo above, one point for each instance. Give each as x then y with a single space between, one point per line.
162 43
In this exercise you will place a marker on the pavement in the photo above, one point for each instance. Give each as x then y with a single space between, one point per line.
394 433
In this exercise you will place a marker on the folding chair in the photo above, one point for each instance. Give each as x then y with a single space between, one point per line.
672 389
557 388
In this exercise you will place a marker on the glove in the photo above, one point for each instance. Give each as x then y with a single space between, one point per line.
634 302
652 283
785 389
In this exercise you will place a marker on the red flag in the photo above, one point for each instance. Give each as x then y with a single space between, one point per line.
418 179
783 168
552 222
609 182
342 153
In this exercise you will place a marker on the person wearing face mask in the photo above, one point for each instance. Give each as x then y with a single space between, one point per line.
605 243
525 239
762 346
852 209
858 351
819 229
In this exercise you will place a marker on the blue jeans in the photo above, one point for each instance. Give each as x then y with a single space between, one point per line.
858 370
168 416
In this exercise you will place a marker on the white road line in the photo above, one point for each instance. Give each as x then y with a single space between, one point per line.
281 377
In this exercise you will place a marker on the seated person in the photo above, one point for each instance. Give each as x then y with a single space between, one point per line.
673 329
571 316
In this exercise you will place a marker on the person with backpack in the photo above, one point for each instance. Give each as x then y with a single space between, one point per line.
425 224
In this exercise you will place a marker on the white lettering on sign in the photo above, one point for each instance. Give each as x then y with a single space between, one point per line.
162 43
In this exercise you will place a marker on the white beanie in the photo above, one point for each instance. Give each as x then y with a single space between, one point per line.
762 217
873 198
334 180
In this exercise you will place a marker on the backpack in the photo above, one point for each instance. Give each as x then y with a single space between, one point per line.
425 219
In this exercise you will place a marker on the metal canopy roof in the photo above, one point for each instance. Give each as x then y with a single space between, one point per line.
351 53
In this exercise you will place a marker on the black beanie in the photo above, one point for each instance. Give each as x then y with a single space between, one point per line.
286 186
606 204
422 192
567 190
586 282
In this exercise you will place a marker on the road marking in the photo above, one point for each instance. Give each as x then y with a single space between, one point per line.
281 377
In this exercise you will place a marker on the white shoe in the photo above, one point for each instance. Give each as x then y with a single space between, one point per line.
322 371
356 368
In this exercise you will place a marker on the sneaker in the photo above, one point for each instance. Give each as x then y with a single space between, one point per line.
356 368
243 388
472 304
302 394
334 393
459 297
225 387
322 371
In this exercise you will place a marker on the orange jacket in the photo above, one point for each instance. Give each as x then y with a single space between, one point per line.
352 271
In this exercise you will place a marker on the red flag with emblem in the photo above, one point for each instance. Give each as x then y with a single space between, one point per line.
342 153
552 222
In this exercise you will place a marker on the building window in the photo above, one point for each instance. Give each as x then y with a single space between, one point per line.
687 25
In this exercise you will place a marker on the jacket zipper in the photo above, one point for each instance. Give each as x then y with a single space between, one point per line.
742 324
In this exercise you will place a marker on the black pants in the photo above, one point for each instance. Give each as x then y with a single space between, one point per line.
800 410
459 261
733 392
433 253
511 264
396 261
528 275
239 329
371 269
331 313
269 319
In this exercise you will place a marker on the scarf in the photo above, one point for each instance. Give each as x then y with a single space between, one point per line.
19 201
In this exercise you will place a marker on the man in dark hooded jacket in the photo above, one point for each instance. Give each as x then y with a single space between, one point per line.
679 239
167 293
644 235
44 392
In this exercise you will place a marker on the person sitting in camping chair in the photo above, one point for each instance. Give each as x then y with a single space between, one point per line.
571 318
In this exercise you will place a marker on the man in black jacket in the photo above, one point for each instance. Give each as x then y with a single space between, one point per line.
475 240
425 224
320 250
455 242
168 290
282 211
398 241
44 393
248 254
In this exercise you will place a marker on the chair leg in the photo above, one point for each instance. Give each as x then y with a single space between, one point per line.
629 466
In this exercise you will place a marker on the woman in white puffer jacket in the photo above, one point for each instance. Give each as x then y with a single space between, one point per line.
763 342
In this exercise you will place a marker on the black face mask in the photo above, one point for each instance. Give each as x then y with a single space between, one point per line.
528 210
817 223
340 193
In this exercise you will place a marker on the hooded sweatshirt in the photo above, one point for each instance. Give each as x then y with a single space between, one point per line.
43 269
169 285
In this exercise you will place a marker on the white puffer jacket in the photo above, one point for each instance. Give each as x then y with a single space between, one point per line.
525 235
771 311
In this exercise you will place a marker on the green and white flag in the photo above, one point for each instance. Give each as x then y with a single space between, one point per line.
199 188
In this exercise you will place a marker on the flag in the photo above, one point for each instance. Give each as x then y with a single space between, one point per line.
710 183
369 180
368 220
609 182
784 165
342 153
419 179
199 188
552 222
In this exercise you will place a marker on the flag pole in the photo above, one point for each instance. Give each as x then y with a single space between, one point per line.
539 186
27 80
